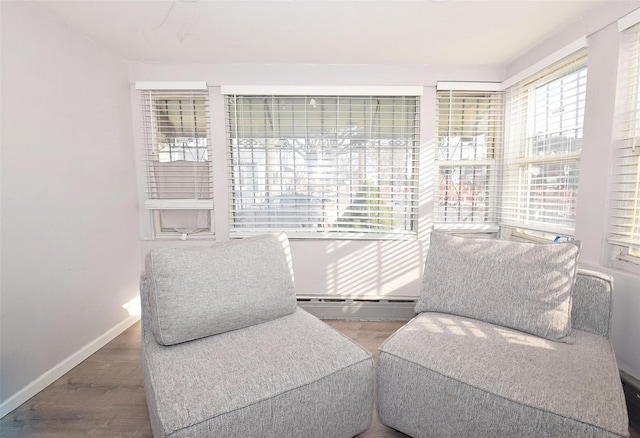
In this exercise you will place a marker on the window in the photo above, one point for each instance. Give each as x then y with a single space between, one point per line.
625 233
543 143
323 165
469 137
177 161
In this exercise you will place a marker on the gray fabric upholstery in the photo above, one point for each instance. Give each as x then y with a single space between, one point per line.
592 302
201 291
291 376
444 375
526 286
464 367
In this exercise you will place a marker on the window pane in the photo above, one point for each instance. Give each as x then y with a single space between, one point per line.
556 113
463 194
183 221
549 192
180 128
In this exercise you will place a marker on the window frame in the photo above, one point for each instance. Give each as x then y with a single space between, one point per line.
165 198
523 174
624 237
456 100
329 229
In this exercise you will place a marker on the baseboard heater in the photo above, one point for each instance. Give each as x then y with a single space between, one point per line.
631 387
359 308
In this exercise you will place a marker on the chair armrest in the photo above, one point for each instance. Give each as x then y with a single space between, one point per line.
592 302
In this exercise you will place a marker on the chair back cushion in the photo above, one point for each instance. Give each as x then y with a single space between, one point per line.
201 291
524 286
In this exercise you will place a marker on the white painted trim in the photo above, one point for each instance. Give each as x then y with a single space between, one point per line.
467 228
356 298
171 85
64 367
469 86
631 19
567 50
285 90
178 204
361 309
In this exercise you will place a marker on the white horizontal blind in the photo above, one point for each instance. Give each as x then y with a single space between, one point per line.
177 161
626 199
319 165
470 125
543 144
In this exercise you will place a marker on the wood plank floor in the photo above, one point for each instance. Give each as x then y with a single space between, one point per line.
104 396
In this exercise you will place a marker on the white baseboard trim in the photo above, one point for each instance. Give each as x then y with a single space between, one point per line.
63 367
396 308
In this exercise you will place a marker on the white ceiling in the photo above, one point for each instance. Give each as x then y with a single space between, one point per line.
479 32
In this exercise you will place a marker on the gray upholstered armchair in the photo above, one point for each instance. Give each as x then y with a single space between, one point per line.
511 340
227 352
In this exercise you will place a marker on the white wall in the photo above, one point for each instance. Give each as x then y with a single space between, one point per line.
69 257
595 193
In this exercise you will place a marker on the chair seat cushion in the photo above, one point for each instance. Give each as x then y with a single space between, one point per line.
497 381
292 376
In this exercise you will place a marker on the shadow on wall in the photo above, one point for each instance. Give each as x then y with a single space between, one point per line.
370 268
366 268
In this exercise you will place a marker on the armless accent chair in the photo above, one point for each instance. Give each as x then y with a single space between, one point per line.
227 352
